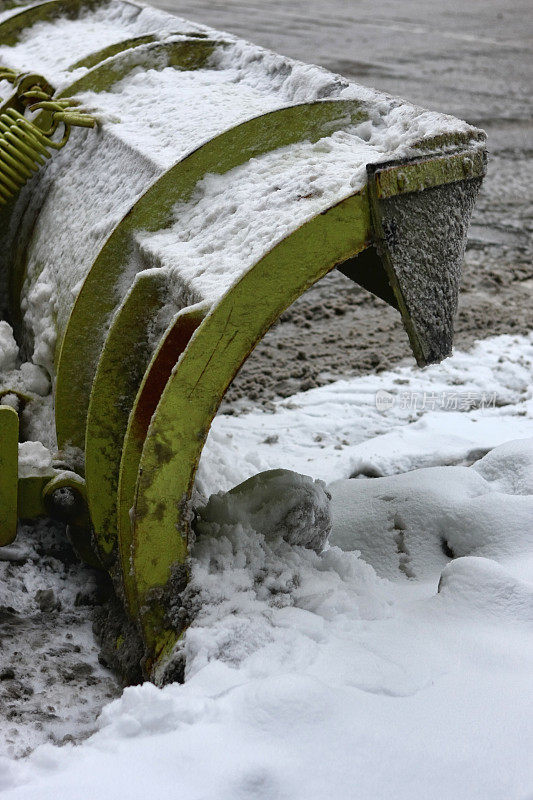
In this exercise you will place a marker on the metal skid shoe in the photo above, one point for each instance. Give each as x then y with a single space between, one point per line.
142 355
51 492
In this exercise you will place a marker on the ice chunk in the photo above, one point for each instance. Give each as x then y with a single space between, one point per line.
274 503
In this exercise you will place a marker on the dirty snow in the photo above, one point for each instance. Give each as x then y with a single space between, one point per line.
361 671
51 681
275 503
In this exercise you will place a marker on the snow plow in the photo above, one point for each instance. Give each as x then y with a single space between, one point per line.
166 192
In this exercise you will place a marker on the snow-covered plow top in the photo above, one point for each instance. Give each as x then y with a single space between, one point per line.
205 184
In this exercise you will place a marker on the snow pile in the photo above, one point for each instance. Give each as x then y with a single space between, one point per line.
257 558
410 525
405 526
308 675
481 588
277 503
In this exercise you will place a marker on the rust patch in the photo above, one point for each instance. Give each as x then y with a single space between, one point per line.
171 349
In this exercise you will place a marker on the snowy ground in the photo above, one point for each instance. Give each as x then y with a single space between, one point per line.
402 673
51 682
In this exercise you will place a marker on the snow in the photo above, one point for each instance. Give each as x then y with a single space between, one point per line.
468 403
167 113
27 388
508 469
212 242
273 503
90 202
6 90
480 587
51 681
34 459
50 48
409 525
8 348
339 673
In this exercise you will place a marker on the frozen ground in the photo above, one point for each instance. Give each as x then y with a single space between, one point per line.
402 672
468 59
51 682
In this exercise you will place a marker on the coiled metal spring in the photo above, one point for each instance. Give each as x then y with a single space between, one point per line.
24 145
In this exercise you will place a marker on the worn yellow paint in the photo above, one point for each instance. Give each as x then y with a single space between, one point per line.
9 438
30 496
186 54
122 364
426 173
191 397
173 343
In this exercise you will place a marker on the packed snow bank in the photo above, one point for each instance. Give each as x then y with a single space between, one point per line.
479 588
251 573
410 525
407 526
309 677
